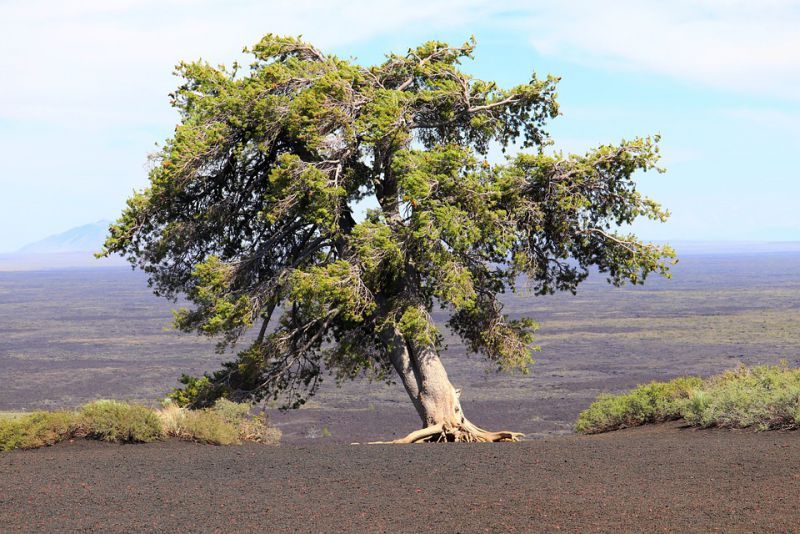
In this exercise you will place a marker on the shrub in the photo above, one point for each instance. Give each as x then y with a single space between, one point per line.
764 397
119 422
650 403
201 426
250 427
171 416
259 432
224 423
232 412
196 425
205 426
37 429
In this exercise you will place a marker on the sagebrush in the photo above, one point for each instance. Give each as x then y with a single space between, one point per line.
764 397
225 423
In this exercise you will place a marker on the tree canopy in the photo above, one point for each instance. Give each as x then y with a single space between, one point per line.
253 215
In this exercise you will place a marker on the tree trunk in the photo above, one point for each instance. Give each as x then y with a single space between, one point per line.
439 399
400 356
436 400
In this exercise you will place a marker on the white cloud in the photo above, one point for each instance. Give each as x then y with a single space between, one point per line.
85 82
99 62
733 44
774 119
95 60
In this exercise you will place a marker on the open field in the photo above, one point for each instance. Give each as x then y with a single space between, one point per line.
648 479
67 337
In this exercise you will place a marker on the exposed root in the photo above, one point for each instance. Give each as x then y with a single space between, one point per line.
464 432
425 434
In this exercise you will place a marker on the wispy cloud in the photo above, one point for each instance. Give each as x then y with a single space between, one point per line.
92 60
775 119
736 45
86 81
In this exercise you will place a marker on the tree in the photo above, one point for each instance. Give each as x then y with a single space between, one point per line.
250 216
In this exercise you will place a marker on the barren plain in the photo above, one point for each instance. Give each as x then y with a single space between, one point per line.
70 336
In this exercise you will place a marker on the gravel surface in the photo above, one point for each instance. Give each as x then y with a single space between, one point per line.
651 479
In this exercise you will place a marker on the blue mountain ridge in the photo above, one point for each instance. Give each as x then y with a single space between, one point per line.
86 238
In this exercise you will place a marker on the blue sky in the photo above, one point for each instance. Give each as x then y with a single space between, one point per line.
83 97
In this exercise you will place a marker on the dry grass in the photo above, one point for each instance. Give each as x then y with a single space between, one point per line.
226 423
201 426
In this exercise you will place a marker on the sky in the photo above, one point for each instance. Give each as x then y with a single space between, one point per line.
84 85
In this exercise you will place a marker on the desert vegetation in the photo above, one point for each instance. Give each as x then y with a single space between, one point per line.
764 397
225 423
74 336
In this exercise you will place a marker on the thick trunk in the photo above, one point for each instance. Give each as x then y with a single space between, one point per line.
439 399
436 400
400 356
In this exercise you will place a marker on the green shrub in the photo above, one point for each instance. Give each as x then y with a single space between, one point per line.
223 424
232 412
36 429
205 426
764 397
650 403
119 422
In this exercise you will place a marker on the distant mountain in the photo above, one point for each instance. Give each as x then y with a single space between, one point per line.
73 249
86 238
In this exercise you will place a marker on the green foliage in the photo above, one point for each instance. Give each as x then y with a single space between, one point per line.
217 311
193 389
378 252
415 325
250 209
119 422
37 429
651 403
764 397
335 288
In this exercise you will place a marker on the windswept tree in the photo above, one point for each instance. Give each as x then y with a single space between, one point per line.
251 215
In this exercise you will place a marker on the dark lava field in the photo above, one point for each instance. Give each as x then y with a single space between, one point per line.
70 336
